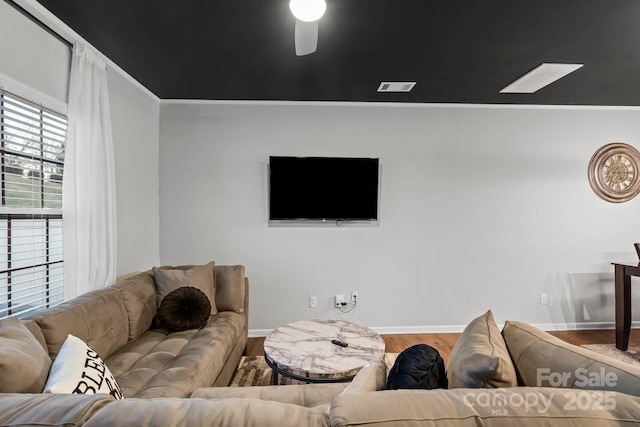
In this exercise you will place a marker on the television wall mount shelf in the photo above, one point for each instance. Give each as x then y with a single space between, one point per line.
330 223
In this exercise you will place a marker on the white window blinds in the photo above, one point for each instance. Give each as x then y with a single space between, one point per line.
32 141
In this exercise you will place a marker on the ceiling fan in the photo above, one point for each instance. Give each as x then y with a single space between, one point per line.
307 13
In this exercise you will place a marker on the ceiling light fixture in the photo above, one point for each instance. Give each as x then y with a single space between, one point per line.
308 10
541 76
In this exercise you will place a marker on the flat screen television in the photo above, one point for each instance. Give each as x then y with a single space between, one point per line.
323 188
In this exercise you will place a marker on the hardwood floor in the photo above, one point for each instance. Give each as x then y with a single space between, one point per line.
445 342
254 347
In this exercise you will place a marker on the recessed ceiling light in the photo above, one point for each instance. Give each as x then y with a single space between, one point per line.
541 76
396 86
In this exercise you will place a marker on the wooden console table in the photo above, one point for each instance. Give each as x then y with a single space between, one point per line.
623 273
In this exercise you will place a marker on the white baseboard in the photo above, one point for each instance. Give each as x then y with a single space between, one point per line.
384 330
258 333
573 326
435 329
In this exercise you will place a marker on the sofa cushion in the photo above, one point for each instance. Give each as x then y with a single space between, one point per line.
480 357
98 318
33 327
205 412
307 395
163 364
168 279
140 300
185 308
514 406
78 369
50 410
24 363
372 377
230 288
544 360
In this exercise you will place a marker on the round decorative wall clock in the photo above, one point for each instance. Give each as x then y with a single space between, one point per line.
613 172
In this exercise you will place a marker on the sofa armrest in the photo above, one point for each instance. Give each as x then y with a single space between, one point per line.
542 359
50 409
501 407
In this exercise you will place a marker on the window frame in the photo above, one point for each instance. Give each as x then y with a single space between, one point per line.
51 292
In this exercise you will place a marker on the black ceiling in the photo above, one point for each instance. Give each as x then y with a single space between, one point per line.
458 51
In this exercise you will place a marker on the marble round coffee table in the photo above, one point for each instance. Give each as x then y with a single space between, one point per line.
303 350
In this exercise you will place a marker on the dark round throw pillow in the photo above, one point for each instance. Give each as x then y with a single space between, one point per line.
185 308
418 367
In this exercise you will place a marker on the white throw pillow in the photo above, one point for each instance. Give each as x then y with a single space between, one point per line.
77 369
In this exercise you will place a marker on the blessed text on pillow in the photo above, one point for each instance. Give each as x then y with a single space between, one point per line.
78 369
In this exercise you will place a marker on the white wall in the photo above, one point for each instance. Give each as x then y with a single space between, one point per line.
31 56
481 207
135 120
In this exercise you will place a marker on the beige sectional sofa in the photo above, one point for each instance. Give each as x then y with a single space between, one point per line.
118 323
517 376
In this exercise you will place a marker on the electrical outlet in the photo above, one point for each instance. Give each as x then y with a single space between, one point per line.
354 296
544 298
339 300
313 302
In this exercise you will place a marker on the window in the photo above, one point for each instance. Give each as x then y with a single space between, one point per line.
32 141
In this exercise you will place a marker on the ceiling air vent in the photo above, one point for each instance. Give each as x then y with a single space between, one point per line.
396 86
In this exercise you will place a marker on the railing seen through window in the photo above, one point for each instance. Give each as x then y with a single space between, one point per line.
32 142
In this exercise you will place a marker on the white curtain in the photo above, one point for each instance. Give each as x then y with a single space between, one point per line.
89 195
